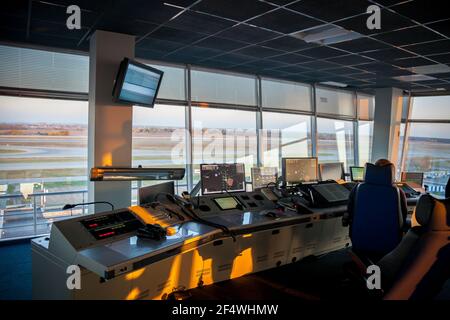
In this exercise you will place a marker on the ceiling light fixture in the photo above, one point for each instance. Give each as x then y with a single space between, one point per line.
335 84
414 78
430 69
326 34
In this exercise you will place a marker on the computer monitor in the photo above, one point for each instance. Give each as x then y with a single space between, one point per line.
218 178
262 177
297 170
137 83
357 174
415 179
151 193
331 171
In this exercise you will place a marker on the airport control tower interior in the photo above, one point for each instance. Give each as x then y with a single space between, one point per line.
292 150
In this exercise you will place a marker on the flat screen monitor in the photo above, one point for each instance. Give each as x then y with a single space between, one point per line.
151 193
228 203
357 174
331 171
415 179
297 170
137 83
218 178
262 177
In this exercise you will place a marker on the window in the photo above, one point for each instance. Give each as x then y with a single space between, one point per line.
366 110
43 70
429 152
285 135
335 102
172 84
285 95
159 140
223 88
335 141
43 150
223 136
430 108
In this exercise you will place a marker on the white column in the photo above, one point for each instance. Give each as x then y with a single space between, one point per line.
110 123
387 120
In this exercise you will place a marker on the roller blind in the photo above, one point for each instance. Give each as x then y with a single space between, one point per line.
366 107
335 102
43 70
285 95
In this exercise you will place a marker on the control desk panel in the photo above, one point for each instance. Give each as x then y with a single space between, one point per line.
210 205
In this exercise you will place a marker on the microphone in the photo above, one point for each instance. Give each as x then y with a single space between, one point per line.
71 206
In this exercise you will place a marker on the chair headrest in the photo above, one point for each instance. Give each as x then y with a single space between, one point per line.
432 213
381 175
424 209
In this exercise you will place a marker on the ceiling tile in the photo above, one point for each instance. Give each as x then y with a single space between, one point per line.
234 9
291 58
288 43
284 21
412 62
258 52
429 48
422 11
220 44
409 36
360 45
319 65
330 10
350 60
197 22
322 52
248 34
389 21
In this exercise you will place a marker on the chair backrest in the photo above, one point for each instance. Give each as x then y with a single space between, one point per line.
377 219
425 266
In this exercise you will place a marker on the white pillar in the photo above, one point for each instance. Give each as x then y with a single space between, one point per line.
387 120
110 123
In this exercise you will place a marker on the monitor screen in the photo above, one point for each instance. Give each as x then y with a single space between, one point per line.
218 178
296 170
415 179
331 171
357 173
261 177
151 193
137 83
227 203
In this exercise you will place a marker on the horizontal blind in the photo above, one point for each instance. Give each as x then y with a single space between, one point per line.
285 95
43 70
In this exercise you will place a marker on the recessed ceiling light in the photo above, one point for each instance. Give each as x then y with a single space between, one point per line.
334 84
440 89
430 69
326 34
414 78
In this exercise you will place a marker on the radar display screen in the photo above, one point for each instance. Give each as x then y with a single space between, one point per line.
297 170
218 178
227 203
110 225
357 174
261 177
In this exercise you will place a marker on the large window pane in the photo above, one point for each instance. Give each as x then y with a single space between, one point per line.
45 70
159 140
335 102
365 138
335 141
224 136
285 135
43 150
172 84
431 108
223 88
285 95
429 152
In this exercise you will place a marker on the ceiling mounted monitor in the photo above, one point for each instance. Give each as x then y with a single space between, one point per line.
137 83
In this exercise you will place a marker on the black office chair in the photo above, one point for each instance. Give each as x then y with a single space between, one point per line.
377 221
